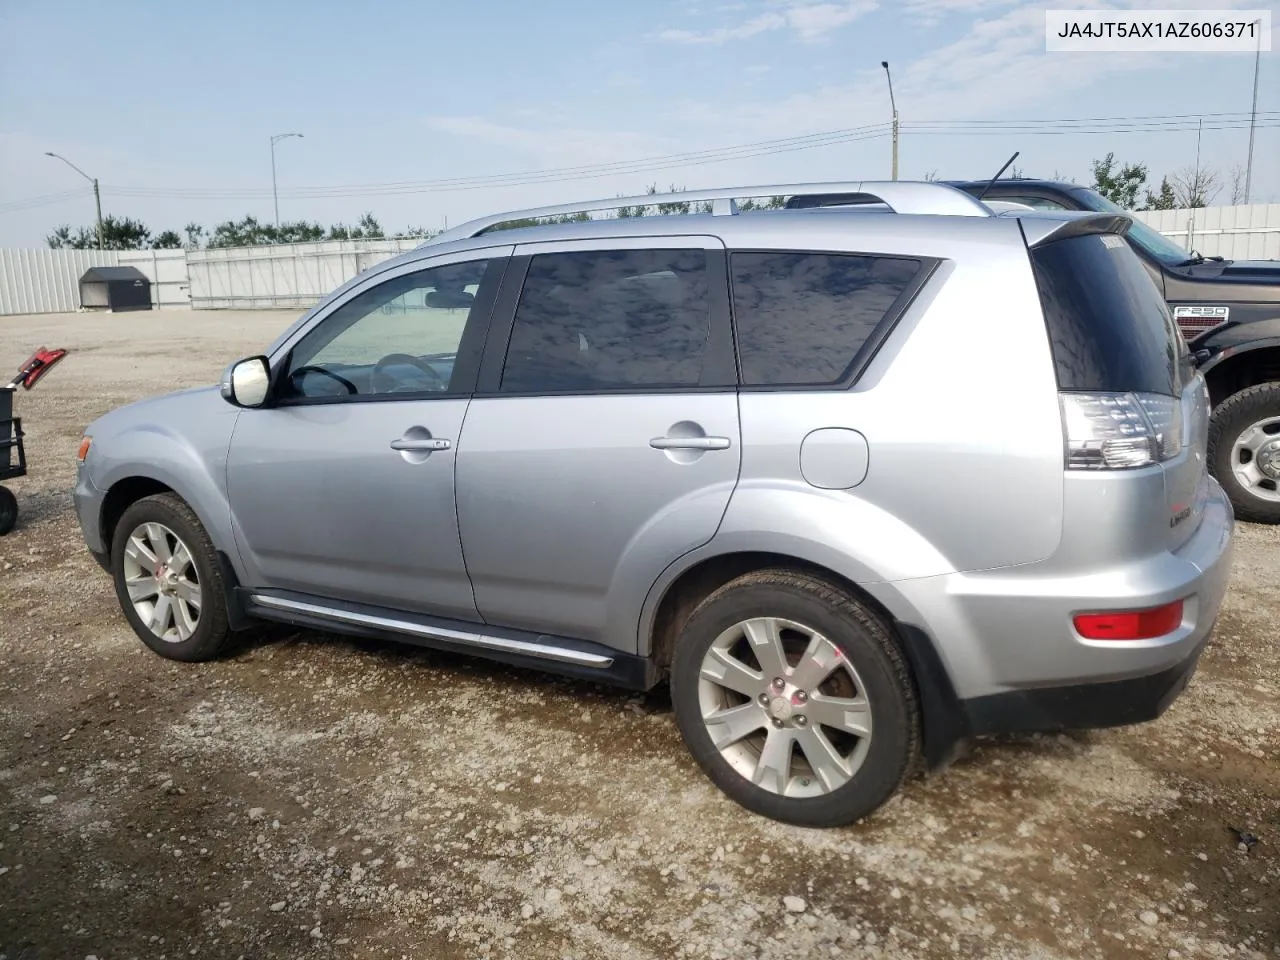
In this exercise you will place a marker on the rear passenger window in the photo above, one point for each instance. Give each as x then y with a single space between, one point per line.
802 318
610 320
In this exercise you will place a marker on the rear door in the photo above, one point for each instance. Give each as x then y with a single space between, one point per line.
603 440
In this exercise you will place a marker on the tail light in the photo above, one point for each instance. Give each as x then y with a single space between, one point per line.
1130 624
1120 431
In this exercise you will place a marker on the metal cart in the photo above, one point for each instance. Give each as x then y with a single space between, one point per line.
13 455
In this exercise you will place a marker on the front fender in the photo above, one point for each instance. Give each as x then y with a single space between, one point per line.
832 529
180 441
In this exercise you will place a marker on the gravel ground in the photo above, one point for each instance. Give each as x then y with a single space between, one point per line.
322 797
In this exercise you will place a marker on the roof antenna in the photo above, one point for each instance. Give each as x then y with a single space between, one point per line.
992 183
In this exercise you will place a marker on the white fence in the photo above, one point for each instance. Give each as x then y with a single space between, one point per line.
1237 233
48 281
296 275
281 275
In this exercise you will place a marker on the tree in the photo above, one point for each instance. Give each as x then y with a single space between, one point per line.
366 228
1164 200
1119 186
118 233
168 240
195 235
1237 184
63 238
1195 186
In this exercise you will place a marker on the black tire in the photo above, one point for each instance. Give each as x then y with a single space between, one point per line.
894 746
8 510
211 634
1230 419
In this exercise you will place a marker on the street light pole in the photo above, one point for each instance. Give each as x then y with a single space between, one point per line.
97 197
894 105
274 194
1253 116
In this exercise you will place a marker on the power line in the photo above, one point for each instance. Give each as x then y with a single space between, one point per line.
699 158
27 203
1158 123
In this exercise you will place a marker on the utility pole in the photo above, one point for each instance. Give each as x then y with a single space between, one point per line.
894 105
97 196
275 196
1253 115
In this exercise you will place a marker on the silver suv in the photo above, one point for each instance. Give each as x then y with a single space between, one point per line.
860 481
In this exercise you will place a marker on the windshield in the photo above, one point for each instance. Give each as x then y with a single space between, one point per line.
1151 241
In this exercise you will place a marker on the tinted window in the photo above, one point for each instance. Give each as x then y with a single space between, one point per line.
613 319
1109 327
401 336
801 318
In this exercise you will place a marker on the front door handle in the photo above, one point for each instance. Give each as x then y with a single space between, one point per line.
690 443
432 443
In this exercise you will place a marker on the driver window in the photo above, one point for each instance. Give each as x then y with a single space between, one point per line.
401 336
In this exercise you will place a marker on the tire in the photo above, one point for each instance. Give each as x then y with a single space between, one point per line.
180 635
1246 423
860 660
8 510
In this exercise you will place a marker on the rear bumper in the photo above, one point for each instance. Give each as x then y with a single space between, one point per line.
1082 706
996 652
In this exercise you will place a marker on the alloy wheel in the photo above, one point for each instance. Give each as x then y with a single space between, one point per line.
162 582
784 707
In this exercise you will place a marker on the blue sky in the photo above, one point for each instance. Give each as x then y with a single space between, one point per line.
171 105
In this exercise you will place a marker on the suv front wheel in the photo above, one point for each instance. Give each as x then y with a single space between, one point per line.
168 581
1244 451
794 699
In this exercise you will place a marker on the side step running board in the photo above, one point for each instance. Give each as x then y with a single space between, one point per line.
540 650
562 655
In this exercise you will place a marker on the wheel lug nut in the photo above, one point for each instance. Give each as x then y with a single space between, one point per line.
764 699
802 721
777 722
801 696
778 683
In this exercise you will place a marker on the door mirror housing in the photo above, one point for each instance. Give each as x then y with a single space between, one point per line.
246 382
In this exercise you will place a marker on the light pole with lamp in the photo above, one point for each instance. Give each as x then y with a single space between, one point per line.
97 197
274 194
1253 115
894 105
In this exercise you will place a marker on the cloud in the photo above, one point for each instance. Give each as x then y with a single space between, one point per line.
809 21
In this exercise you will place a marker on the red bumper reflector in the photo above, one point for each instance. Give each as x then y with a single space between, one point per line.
1130 624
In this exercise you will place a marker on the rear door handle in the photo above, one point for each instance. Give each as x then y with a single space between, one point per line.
434 443
690 443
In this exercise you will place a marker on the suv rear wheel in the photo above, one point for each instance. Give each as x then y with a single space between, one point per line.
1244 451
795 700
168 580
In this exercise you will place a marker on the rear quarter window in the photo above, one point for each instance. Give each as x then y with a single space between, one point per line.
808 319
1110 330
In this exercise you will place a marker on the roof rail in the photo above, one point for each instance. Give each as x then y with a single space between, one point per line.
907 197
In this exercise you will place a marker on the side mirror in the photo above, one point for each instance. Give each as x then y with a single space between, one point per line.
245 382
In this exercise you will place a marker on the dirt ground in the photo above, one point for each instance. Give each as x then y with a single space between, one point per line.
315 796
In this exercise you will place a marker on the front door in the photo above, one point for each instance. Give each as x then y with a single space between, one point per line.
603 442
342 487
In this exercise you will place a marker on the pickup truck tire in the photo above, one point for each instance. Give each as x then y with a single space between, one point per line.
1244 451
